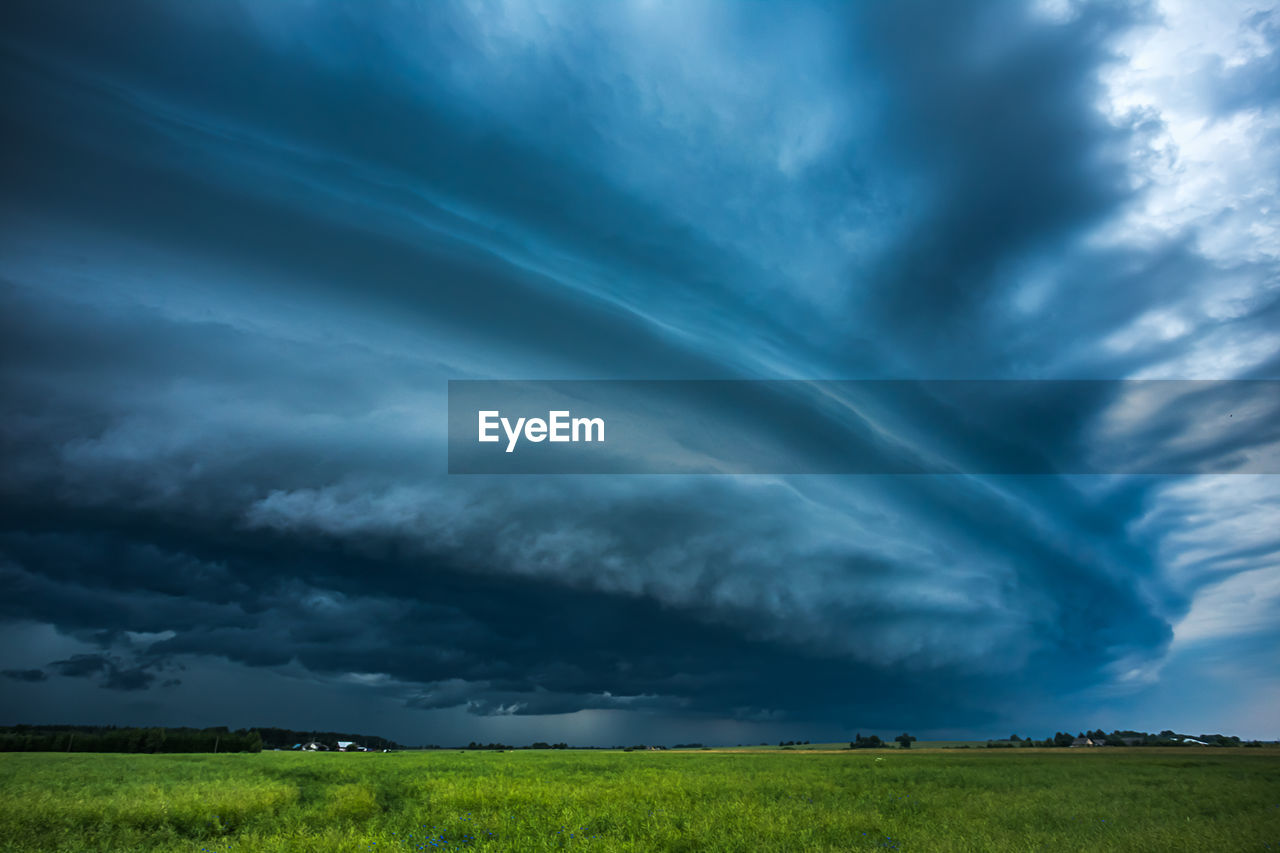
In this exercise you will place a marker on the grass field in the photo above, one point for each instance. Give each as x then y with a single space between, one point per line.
941 800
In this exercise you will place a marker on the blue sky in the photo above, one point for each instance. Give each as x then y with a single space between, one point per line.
244 247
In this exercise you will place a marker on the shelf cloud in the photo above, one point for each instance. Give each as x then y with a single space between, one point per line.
245 246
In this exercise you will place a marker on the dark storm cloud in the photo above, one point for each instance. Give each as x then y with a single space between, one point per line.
536 621
110 672
394 149
81 666
708 550
29 675
247 245
995 115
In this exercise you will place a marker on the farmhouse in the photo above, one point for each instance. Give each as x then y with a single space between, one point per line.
312 746
1086 741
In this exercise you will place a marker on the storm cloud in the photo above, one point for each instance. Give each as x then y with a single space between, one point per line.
246 245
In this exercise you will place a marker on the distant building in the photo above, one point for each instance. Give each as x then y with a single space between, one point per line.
313 746
1086 741
350 746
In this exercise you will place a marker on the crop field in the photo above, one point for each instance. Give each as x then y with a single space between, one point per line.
939 800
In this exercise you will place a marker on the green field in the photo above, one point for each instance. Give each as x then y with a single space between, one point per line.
940 800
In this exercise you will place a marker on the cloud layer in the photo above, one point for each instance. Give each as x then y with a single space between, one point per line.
246 246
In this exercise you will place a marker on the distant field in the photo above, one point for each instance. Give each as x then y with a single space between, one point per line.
933 800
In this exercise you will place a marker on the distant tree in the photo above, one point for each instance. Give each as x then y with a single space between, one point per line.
904 740
1014 737
114 739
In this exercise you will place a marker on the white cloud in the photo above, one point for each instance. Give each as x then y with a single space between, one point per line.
1243 604
1207 174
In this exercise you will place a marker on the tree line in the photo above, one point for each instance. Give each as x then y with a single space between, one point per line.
904 741
1124 737
115 739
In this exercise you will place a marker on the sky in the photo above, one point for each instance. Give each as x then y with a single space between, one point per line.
245 246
